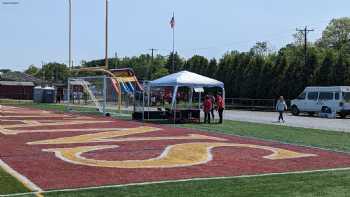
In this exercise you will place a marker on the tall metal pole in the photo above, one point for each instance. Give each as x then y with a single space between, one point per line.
104 94
106 49
70 34
173 26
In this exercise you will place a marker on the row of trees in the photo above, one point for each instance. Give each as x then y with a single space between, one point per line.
258 73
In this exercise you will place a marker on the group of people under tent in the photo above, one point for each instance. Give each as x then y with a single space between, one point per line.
210 104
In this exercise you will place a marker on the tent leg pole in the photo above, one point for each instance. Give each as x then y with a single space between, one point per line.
223 95
175 113
68 95
199 105
190 97
149 97
143 106
174 103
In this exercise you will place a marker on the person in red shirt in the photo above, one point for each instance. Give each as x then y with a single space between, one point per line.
207 107
220 106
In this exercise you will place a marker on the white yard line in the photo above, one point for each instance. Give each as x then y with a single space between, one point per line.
179 181
24 180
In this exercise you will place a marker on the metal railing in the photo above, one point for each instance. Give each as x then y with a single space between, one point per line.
252 104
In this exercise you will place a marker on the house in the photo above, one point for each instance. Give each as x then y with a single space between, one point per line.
16 90
17 85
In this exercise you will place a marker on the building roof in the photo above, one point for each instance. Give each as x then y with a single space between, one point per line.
19 77
16 83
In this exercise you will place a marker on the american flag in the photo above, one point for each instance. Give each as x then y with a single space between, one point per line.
172 22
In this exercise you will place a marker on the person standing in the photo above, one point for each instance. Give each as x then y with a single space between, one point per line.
281 106
220 107
207 108
212 98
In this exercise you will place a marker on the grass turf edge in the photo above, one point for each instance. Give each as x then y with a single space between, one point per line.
9 184
310 184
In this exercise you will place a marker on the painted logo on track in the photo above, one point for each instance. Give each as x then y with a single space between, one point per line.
178 155
54 151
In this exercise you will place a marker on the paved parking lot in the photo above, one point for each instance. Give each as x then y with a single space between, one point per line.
294 121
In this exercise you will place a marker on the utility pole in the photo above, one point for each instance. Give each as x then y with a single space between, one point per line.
43 72
305 32
116 60
152 55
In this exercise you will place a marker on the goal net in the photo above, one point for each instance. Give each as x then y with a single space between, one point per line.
99 95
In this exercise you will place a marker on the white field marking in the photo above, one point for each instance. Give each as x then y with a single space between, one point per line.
78 159
35 116
47 120
125 139
177 181
15 132
6 131
24 180
26 112
164 154
267 140
34 123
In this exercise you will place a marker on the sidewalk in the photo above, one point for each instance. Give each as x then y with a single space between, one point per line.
293 121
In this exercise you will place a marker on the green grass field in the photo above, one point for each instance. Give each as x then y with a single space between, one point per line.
291 185
8 184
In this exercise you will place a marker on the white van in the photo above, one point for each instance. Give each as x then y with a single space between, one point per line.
313 99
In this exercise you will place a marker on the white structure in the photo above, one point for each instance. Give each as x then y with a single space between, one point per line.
313 99
186 79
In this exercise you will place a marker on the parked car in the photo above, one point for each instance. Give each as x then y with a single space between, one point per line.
313 99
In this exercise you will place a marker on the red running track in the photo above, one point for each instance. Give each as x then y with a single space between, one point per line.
19 126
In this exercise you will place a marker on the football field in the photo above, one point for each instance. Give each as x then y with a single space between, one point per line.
49 152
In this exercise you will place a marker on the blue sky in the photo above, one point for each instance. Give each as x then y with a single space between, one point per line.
35 31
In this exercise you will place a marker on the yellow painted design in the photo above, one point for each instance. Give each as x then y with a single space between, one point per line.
109 137
18 128
39 195
33 116
9 132
98 137
178 155
56 123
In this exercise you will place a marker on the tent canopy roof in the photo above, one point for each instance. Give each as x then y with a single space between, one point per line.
186 78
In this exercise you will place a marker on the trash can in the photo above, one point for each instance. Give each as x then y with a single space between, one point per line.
49 95
38 94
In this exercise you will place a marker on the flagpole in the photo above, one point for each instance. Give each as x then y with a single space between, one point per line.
173 61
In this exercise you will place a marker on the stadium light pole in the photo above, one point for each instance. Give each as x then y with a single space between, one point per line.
70 34
106 36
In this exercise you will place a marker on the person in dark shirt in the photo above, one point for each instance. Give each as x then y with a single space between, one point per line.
220 107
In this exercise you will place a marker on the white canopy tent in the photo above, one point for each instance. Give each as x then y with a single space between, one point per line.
186 79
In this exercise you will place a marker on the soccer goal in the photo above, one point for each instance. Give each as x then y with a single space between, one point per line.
99 95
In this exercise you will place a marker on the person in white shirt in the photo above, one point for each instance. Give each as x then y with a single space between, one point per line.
281 106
